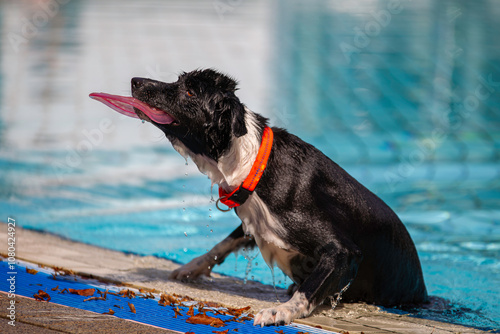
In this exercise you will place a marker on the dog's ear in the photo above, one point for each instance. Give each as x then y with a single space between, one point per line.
230 106
228 120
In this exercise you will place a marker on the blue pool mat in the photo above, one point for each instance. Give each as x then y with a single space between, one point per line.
148 311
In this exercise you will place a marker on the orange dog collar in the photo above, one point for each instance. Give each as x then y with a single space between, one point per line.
238 196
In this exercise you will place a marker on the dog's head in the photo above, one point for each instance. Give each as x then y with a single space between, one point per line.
205 110
200 109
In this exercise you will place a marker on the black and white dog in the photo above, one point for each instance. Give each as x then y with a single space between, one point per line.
307 215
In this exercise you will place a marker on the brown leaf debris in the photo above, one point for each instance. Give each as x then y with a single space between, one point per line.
42 296
203 319
82 292
31 271
132 307
221 332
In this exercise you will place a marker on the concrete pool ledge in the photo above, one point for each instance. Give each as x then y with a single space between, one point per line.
151 272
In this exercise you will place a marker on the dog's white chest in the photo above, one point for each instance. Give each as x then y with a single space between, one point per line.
264 227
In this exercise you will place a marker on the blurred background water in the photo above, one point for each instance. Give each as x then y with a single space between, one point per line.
404 95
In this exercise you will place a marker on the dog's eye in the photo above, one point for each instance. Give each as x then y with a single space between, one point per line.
189 93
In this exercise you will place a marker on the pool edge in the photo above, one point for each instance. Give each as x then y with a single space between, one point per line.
151 272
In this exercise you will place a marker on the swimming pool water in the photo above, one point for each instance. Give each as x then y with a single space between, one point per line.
407 102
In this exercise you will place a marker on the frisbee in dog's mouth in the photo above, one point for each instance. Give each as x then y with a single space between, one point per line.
125 105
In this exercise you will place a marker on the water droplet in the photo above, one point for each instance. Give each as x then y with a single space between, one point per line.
274 285
209 216
250 257
209 267
143 121
211 231
207 225
256 264
215 257
185 250
185 233
335 299
209 209
253 277
183 209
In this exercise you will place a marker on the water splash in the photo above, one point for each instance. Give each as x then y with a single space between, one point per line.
335 299
250 258
274 284
212 199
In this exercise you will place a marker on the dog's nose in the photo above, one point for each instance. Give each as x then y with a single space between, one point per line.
137 82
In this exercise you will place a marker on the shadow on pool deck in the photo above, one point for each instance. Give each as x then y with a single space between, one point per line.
152 272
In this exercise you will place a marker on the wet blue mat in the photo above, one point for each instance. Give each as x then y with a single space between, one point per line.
147 311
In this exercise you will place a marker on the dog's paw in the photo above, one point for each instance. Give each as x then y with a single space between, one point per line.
297 307
195 268
280 315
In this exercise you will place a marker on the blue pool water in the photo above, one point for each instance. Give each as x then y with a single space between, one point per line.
404 95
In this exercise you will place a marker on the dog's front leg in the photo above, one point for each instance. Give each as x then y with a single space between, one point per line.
203 265
335 270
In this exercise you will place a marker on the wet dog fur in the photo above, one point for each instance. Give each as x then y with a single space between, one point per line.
308 216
